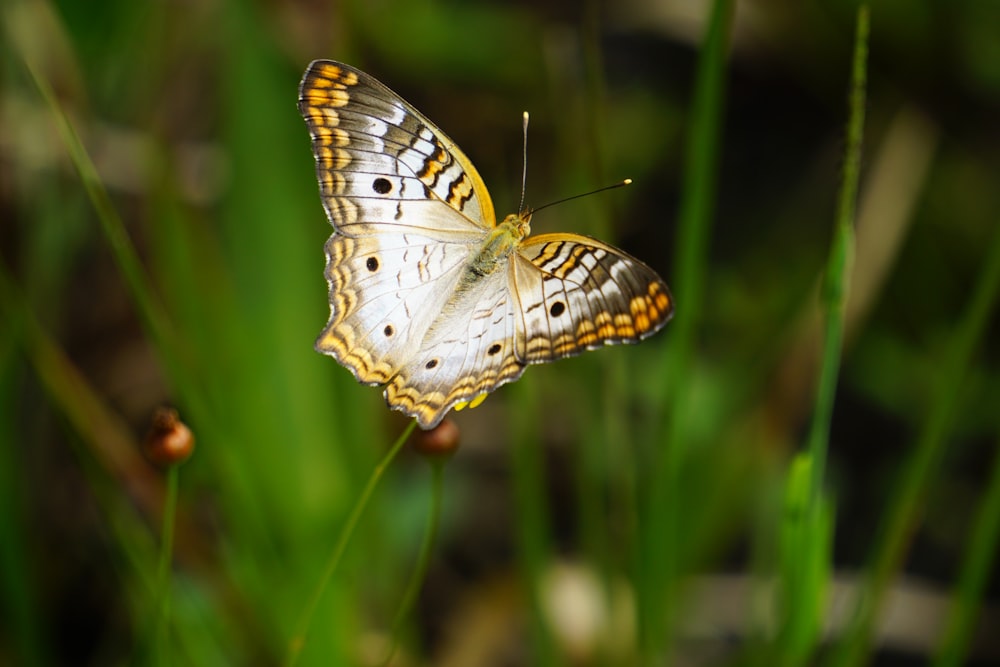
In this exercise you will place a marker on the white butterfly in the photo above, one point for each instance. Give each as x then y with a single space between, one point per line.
428 294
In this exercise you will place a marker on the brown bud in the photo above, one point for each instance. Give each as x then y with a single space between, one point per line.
169 441
438 443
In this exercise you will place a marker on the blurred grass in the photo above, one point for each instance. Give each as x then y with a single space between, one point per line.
180 261
973 576
808 527
659 600
902 514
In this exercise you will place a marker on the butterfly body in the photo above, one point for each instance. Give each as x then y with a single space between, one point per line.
498 246
429 295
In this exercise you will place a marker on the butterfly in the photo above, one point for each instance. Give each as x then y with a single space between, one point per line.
429 295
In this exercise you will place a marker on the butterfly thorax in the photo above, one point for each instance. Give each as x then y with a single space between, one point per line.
498 246
492 255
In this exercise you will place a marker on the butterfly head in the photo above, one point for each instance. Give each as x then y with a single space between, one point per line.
519 224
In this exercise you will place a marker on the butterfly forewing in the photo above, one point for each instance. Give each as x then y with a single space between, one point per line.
375 151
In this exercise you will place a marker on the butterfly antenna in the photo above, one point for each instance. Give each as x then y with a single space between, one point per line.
620 184
524 166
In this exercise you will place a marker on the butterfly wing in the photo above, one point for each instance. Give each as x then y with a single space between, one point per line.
578 294
385 292
470 350
407 209
562 294
382 166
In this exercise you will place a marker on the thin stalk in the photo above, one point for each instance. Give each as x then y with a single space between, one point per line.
161 642
837 280
423 558
298 640
807 558
974 576
125 254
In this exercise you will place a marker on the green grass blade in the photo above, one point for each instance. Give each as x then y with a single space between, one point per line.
659 567
18 603
903 513
837 279
807 530
804 565
974 575
419 574
298 640
152 312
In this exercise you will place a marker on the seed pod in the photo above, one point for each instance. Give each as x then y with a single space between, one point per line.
169 441
438 443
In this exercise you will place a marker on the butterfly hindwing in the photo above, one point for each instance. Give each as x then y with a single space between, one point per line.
578 294
470 350
384 294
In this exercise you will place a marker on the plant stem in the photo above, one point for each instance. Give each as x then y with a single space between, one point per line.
974 575
161 644
298 640
424 556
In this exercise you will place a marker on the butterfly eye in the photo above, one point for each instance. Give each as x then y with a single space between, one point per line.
388 331
381 186
494 348
431 364
557 308
372 264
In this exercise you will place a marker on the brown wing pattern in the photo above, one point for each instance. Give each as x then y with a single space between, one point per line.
578 294
382 166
